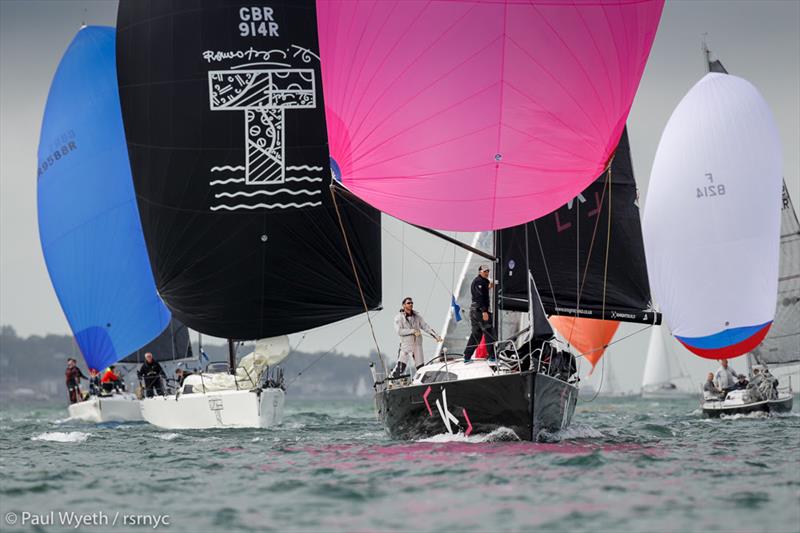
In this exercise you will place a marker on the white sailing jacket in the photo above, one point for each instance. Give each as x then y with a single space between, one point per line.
410 344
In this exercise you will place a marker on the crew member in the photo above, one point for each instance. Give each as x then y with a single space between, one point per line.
94 382
479 316
181 375
725 377
151 372
73 377
111 380
409 325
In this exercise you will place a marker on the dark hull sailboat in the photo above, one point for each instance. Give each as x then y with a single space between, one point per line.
527 403
519 393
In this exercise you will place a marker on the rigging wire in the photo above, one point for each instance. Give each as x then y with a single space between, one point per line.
358 281
318 359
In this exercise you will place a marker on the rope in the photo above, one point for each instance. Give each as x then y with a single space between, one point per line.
317 360
358 281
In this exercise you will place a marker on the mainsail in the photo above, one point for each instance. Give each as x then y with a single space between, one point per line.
171 345
88 221
711 222
587 257
477 115
224 115
782 344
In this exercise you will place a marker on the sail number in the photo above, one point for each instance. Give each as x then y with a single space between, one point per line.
713 189
257 21
60 149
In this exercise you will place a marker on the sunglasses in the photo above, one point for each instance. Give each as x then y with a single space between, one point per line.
404 303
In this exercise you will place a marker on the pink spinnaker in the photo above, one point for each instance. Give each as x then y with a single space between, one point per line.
478 115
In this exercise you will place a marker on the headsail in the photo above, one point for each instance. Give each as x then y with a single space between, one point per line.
478 115
88 221
656 367
712 221
587 257
227 136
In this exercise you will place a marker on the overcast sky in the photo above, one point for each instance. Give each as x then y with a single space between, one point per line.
757 40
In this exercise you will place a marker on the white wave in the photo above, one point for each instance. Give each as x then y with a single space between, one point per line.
575 432
264 206
737 416
498 435
60 436
225 182
256 439
696 412
268 193
303 178
169 436
303 167
225 167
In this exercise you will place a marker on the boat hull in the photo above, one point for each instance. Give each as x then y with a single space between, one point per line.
526 403
100 409
715 409
222 409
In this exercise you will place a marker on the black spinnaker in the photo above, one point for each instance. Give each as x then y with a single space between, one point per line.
171 345
224 117
582 264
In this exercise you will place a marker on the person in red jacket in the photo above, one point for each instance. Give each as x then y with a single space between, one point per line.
111 380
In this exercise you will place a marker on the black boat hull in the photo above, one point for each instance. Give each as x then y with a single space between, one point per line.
527 403
782 405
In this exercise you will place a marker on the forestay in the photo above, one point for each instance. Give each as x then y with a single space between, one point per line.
478 115
88 221
712 218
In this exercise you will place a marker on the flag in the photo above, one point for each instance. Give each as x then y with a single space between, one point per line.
456 308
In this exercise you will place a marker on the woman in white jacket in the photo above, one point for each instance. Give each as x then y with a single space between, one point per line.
409 325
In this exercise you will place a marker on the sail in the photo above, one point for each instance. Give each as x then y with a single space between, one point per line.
711 223
89 226
782 344
227 139
171 345
456 332
476 115
587 257
588 336
656 366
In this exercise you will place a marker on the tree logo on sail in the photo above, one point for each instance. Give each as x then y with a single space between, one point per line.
264 96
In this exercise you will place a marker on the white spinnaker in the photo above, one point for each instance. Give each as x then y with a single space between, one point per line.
656 367
712 218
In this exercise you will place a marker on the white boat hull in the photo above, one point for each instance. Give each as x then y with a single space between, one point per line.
737 403
222 409
116 408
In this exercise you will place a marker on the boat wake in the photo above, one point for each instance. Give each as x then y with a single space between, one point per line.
576 432
60 436
501 434
753 415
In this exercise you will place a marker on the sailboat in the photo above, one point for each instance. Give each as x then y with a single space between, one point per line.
229 154
712 228
658 381
88 221
468 116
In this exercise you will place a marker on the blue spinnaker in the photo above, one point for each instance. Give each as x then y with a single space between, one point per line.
89 224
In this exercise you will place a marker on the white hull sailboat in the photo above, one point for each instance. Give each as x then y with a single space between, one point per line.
122 407
220 409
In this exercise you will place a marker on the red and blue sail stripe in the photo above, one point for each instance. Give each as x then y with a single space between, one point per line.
728 343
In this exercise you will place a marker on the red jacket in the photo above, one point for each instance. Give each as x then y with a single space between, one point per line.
109 376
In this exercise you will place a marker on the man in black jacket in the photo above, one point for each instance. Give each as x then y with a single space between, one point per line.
152 373
479 316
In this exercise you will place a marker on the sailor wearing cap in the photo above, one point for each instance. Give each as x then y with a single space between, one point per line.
479 316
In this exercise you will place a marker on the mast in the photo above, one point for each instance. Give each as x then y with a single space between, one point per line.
495 277
231 356
706 53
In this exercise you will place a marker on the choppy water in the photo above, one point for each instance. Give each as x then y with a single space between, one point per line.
625 464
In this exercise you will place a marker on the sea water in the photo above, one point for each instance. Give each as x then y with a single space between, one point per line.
624 464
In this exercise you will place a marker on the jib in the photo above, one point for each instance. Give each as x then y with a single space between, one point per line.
51 159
